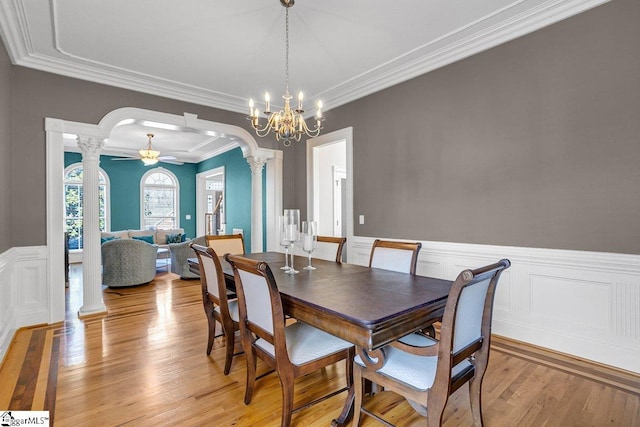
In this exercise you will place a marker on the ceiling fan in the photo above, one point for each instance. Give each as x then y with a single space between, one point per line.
149 156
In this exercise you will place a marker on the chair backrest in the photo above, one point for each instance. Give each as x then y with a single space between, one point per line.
395 256
466 325
211 276
329 246
259 303
226 244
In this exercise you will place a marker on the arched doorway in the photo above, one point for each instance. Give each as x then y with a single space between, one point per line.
55 129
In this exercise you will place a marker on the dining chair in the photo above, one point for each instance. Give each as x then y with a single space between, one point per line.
395 256
426 372
292 350
398 256
226 243
217 306
327 246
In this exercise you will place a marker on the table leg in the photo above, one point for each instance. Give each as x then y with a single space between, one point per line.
347 410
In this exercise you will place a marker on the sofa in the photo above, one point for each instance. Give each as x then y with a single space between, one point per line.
154 237
128 262
180 252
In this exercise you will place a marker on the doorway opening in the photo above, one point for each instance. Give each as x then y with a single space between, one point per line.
330 184
210 202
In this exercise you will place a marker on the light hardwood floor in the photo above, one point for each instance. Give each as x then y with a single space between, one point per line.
144 364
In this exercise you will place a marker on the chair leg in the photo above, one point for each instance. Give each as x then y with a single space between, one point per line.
349 367
286 382
359 393
229 335
212 329
475 399
435 410
251 374
475 384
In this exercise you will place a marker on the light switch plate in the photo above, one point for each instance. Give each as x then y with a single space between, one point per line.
187 217
361 219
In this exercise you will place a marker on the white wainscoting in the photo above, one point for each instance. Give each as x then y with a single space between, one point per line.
586 304
24 291
7 301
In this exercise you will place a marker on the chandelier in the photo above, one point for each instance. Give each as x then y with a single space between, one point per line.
286 124
148 155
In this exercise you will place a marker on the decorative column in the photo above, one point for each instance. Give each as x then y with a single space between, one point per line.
273 176
256 164
92 302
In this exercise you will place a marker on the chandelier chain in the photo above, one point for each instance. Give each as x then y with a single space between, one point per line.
287 52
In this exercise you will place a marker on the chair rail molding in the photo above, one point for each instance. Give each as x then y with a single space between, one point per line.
585 304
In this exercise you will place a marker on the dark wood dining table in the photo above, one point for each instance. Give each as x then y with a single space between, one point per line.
366 306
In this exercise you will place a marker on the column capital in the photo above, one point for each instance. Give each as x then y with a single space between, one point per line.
90 147
256 164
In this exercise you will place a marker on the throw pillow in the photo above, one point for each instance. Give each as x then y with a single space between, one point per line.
174 238
106 239
148 239
183 239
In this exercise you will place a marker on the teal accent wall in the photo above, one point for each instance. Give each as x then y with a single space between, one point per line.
124 179
237 190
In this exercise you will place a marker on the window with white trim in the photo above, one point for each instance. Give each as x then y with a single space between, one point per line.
73 193
159 205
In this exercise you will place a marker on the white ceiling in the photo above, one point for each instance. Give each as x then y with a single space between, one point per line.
221 53
185 144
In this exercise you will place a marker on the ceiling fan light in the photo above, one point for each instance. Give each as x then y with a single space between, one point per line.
150 154
148 161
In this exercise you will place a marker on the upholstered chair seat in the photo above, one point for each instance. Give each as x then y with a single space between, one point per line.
233 309
306 343
415 371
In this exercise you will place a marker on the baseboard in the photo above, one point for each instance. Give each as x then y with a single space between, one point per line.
613 377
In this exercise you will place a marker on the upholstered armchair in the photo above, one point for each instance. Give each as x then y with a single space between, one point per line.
180 252
128 262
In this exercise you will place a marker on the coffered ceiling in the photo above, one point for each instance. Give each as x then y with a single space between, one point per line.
221 53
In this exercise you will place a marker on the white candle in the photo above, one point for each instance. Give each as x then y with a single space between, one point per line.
293 232
308 242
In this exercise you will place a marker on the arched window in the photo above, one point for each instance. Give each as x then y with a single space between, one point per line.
73 203
159 205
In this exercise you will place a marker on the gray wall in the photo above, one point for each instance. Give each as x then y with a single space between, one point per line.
5 150
37 95
534 143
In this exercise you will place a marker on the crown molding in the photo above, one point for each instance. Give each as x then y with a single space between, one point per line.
455 46
462 43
